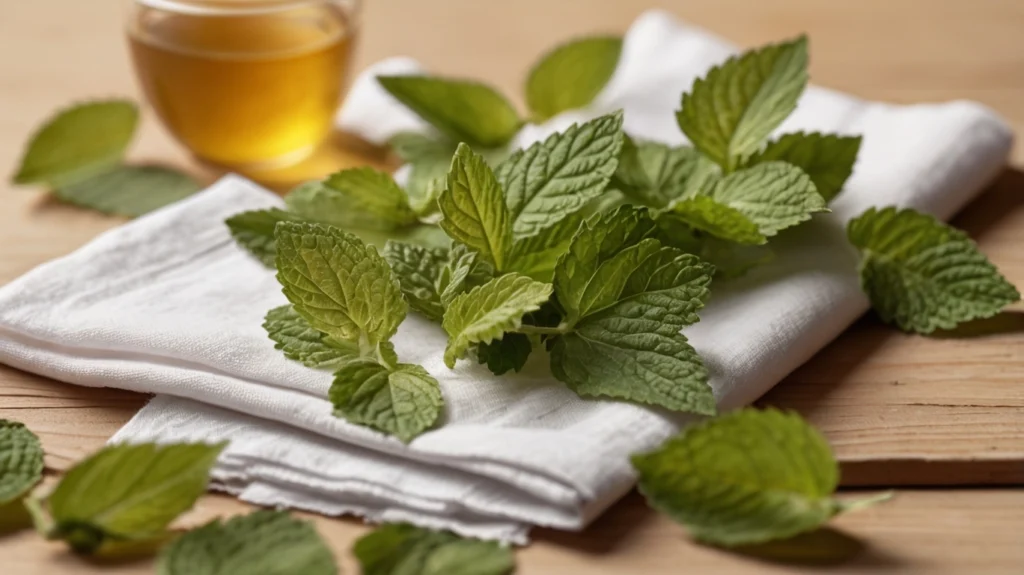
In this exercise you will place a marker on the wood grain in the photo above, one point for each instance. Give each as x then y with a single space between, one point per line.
934 532
898 409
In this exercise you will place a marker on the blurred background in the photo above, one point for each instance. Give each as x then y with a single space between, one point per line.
893 50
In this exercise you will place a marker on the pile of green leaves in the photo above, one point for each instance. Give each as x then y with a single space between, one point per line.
590 244
122 499
79 153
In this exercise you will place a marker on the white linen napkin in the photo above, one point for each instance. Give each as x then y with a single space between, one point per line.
169 304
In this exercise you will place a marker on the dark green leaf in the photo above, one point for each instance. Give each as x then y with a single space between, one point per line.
827 158
403 400
21 460
401 549
254 231
261 543
419 271
506 354
299 341
556 178
922 274
129 190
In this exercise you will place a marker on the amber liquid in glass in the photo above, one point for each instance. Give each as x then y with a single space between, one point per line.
244 90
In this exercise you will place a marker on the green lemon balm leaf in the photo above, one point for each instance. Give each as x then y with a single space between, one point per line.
773 195
129 190
536 255
923 275
341 286
463 272
733 260
412 146
604 244
418 270
557 177
426 235
827 158
351 211
79 142
626 298
746 477
470 557
261 543
728 114
506 354
463 110
654 174
429 158
474 208
383 550
403 401
354 198
128 492
631 174
299 341
632 350
426 183
571 75
486 312
722 221
21 460
403 549
373 193
254 231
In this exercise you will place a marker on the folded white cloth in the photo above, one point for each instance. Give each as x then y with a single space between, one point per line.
169 304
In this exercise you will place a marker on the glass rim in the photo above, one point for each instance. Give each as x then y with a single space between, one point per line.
243 7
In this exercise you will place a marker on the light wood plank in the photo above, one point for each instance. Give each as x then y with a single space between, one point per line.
938 532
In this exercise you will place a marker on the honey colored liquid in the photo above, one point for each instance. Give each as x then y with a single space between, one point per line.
244 89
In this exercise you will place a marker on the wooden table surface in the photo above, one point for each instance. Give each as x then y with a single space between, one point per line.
899 410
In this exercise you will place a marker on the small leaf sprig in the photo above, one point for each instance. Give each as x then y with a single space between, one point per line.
344 289
728 193
525 263
79 153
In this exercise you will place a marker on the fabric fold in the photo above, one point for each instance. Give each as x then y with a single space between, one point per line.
168 304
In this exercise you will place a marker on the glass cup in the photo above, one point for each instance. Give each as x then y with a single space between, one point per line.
244 83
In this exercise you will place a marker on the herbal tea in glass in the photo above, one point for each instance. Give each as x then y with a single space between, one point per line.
244 83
